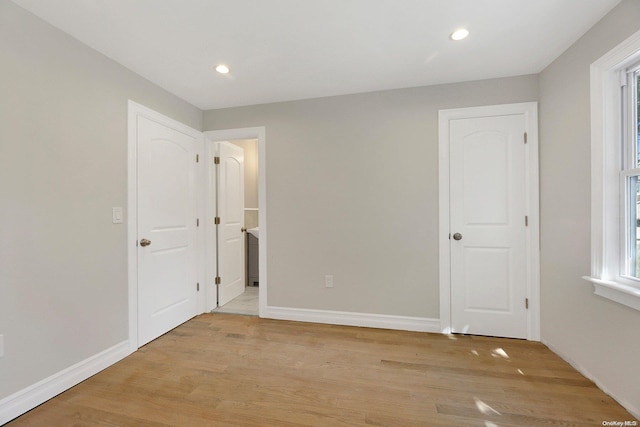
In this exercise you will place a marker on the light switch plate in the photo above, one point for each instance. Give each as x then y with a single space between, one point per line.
117 215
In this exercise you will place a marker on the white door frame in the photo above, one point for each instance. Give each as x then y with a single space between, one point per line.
211 137
136 110
530 111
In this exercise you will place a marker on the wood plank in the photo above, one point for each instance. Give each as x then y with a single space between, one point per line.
220 369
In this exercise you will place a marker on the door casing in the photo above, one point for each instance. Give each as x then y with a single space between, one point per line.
530 112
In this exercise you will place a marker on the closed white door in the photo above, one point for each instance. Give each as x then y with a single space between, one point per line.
166 228
488 226
231 238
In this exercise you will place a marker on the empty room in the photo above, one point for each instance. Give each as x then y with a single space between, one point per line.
337 212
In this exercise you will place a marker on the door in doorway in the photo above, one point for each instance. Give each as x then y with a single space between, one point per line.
488 220
166 224
230 236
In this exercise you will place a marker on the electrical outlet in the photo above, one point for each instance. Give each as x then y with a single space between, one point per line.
328 281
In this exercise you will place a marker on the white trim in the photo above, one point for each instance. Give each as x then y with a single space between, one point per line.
210 229
28 398
625 404
383 321
258 133
606 116
132 221
530 112
136 110
615 291
444 243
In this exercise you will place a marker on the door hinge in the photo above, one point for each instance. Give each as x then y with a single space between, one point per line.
216 160
197 158
197 222
217 280
525 137
216 220
198 286
526 303
526 221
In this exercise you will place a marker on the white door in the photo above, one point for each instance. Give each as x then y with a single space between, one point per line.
231 239
166 162
487 224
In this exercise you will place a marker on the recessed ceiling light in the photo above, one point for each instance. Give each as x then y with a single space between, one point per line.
222 69
460 34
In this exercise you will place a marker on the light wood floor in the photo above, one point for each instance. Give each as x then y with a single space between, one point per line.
229 370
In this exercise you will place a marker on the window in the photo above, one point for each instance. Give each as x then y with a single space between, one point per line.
615 174
630 171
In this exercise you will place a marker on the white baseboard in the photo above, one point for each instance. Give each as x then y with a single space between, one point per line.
28 398
625 404
384 321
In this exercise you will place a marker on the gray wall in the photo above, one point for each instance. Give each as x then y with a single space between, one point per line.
601 336
352 190
63 160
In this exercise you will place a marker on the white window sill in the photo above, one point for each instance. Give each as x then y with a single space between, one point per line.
615 291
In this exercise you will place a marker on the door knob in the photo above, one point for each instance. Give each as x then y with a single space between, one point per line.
243 229
457 236
145 242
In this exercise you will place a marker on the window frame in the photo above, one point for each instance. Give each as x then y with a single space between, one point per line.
608 201
625 215
630 168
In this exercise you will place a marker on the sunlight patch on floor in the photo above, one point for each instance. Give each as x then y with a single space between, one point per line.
498 352
484 408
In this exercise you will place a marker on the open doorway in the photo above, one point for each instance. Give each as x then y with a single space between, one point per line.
245 301
251 299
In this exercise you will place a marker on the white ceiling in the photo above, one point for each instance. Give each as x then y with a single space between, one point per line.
280 50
